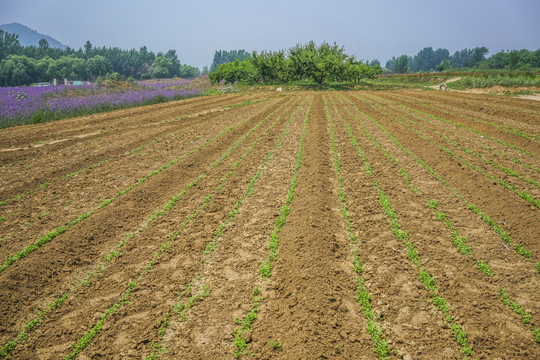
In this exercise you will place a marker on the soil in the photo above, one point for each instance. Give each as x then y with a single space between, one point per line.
158 183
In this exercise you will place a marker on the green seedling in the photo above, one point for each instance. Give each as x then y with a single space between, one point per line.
483 267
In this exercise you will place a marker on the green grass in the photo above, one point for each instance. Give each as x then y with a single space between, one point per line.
88 337
469 82
274 344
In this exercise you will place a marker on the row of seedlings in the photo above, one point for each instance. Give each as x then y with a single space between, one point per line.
43 240
424 277
504 128
116 251
519 248
245 323
196 286
461 246
522 194
362 297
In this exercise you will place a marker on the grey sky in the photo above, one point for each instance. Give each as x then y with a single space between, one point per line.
368 29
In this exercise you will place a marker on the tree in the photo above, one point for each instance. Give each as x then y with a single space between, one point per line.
444 65
272 66
87 49
162 67
427 59
98 66
43 45
357 71
318 63
9 44
243 72
223 57
391 63
401 65
175 70
67 67
188 71
478 55
374 63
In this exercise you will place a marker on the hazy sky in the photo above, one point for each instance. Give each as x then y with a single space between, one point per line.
368 29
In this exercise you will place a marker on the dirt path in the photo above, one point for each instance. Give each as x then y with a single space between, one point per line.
438 87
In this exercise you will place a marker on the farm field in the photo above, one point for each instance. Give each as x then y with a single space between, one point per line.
306 225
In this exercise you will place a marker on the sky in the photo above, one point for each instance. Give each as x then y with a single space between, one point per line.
375 29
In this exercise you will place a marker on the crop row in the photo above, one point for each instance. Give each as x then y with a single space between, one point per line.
56 199
362 297
442 125
459 125
96 164
475 117
184 302
460 244
84 341
115 252
132 151
43 240
474 153
401 235
522 194
519 248
247 321
424 277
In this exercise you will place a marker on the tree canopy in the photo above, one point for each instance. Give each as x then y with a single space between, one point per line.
317 63
23 65
428 59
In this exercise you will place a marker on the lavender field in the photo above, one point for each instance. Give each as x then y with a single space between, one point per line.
30 105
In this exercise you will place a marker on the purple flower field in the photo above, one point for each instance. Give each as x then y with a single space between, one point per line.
27 104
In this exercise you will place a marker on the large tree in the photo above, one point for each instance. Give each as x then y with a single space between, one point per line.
319 63
401 65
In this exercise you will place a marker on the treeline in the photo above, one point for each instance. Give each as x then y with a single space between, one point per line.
23 65
428 59
312 62
223 57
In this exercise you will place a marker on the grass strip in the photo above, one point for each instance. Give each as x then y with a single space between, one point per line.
102 162
466 150
457 124
425 278
503 296
504 128
273 243
525 196
459 243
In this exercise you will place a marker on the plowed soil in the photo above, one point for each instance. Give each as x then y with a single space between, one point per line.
141 233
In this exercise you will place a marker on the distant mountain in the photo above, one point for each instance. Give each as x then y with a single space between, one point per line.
29 37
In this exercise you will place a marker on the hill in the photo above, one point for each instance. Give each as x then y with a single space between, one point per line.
29 37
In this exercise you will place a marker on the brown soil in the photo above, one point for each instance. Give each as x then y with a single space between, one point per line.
199 156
